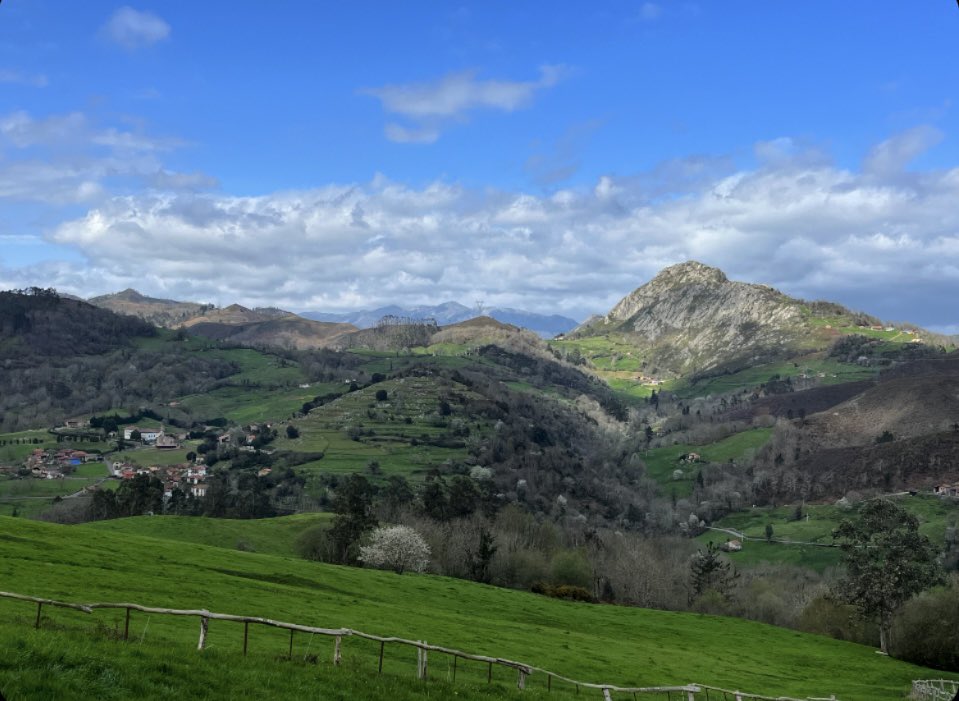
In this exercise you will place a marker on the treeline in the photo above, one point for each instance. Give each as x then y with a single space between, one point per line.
38 324
472 535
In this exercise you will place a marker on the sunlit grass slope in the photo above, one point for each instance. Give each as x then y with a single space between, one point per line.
591 642
274 536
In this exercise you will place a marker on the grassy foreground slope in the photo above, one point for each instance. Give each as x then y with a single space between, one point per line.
590 642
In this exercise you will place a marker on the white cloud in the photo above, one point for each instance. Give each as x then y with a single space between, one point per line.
134 29
36 80
814 230
65 158
430 105
894 154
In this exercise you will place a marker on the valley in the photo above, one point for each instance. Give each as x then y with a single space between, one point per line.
600 465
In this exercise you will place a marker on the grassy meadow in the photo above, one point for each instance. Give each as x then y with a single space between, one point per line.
662 462
393 432
273 536
934 516
77 655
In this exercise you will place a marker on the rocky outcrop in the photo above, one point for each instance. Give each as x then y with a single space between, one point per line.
691 318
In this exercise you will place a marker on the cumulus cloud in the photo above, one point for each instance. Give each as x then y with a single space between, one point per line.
433 104
134 29
814 230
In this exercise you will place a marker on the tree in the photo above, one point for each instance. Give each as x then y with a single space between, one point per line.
398 548
381 395
887 562
709 571
769 531
353 506
292 431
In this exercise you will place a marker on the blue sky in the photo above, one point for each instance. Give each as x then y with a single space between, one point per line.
551 156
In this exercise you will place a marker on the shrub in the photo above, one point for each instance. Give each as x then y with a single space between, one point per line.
563 591
381 395
314 544
571 568
926 630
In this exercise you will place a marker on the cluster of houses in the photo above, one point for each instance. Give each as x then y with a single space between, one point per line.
57 463
189 478
879 327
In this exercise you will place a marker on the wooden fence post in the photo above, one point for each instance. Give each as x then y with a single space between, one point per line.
39 608
549 682
291 644
422 662
607 696
691 696
336 650
489 674
246 635
454 668
204 624
126 626
521 680
382 645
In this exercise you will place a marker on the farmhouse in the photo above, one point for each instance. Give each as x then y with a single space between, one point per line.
732 546
166 442
947 490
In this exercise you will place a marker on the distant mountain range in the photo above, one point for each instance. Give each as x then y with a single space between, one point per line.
545 325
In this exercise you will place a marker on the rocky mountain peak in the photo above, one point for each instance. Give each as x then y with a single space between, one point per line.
690 272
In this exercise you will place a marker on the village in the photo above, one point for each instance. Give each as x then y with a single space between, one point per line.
142 450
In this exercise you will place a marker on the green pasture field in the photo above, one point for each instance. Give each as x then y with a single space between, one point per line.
246 405
934 515
274 536
834 373
29 497
415 399
661 462
609 352
16 447
75 655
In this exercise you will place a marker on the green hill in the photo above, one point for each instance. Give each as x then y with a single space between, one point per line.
75 655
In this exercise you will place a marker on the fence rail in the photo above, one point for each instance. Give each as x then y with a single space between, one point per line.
687 692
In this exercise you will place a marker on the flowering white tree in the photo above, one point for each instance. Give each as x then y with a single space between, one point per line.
398 548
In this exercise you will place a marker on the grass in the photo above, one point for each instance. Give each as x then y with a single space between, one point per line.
245 405
833 372
275 536
16 447
400 427
67 658
29 497
934 516
662 462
